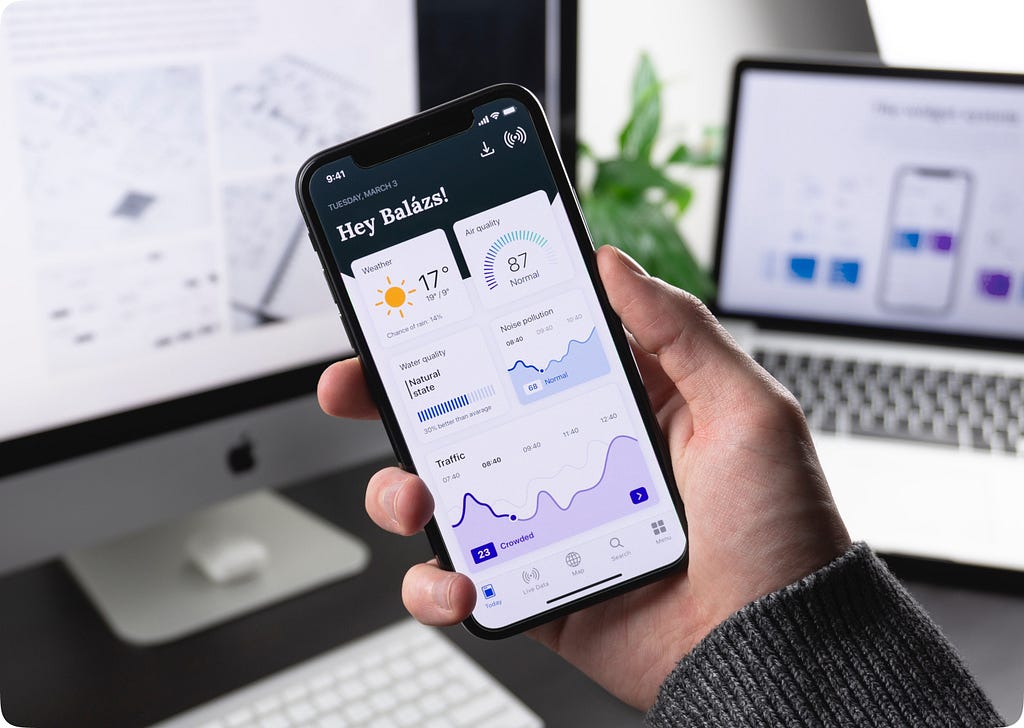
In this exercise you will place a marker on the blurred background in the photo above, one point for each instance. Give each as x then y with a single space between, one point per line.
178 521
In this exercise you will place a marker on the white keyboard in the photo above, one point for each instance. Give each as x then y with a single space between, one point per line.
402 675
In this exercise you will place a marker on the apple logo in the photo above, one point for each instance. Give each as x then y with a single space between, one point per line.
240 456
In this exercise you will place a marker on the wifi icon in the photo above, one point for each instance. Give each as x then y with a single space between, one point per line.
495 115
515 137
531 575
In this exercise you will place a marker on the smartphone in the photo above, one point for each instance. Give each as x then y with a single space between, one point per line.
456 251
927 212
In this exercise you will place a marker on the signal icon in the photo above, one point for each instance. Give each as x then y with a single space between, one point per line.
483 121
515 137
531 575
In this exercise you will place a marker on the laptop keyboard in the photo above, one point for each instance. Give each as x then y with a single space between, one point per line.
875 399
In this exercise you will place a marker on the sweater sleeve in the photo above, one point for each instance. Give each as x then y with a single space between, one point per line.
846 646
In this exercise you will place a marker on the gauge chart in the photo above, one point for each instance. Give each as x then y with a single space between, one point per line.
513 250
512 265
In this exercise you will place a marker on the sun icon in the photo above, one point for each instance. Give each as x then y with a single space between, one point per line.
395 297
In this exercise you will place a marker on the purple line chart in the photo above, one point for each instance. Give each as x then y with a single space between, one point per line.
548 521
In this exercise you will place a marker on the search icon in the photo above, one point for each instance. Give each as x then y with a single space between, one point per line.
614 542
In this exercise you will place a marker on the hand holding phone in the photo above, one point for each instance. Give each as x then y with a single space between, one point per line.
460 261
760 513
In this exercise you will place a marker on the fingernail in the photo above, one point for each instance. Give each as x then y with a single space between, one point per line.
628 261
442 592
388 496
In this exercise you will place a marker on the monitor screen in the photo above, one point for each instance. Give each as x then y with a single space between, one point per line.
876 198
164 316
154 247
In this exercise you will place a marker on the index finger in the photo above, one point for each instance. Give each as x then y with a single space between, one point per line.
343 392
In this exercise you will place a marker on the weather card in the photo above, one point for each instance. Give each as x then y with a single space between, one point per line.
513 249
411 288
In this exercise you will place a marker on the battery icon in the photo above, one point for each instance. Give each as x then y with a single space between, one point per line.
508 110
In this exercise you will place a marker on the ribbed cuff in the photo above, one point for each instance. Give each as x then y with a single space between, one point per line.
846 646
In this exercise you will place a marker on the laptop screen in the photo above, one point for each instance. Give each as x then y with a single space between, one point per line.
873 198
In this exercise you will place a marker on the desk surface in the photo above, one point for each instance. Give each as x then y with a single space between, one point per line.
60 665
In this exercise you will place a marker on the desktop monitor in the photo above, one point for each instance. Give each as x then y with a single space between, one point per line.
165 321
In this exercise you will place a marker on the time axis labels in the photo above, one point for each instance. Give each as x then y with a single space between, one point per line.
411 288
514 249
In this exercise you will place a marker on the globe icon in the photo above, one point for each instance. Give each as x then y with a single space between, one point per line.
573 559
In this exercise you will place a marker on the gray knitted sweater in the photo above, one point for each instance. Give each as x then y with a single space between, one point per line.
846 646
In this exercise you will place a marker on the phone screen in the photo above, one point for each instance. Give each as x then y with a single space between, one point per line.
927 214
474 304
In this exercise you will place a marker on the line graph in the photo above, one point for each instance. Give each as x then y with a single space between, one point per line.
551 347
512 517
624 471
568 351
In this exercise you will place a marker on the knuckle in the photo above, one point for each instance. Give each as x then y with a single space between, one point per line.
775 409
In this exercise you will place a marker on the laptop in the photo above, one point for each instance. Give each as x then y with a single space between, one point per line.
870 255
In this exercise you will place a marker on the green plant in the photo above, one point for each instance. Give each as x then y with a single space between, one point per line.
635 204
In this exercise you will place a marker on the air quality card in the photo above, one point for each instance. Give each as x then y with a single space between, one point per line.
513 249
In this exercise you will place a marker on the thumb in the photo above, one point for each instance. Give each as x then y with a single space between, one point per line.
705 363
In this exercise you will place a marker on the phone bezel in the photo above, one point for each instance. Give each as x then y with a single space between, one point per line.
416 132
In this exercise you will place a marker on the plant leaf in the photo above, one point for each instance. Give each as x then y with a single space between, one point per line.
630 179
637 138
644 231
680 155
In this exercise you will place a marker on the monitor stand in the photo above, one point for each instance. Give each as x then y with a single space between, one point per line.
149 591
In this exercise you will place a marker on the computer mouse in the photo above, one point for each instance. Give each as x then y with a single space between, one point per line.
226 557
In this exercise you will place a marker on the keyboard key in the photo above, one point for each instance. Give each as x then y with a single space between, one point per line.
326 701
274 720
345 671
408 715
455 693
352 690
300 712
926 437
431 704
431 679
358 712
321 681
383 701
476 712
267 705
402 668
238 717
408 690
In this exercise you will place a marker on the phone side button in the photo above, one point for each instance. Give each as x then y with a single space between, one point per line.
334 295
